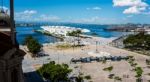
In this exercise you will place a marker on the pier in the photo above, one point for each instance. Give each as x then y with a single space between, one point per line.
50 34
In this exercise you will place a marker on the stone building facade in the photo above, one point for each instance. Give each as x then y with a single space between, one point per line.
10 55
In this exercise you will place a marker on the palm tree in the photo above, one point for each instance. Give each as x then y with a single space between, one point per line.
78 32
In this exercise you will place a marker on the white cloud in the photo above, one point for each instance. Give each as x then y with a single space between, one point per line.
147 13
87 8
132 10
135 6
135 10
94 8
97 8
129 3
27 14
48 18
31 15
5 8
129 16
95 19
91 20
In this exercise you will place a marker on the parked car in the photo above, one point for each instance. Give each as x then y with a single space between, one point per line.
41 54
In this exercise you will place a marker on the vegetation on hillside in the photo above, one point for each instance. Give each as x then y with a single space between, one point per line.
140 41
74 33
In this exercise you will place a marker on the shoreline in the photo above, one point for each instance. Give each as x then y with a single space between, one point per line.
24 32
101 39
94 69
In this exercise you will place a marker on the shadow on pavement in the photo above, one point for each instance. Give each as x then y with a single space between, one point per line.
32 77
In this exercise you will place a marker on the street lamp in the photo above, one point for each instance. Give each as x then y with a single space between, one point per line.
13 35
96 46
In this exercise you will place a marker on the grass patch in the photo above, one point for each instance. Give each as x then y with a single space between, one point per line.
118 78
88 77
64 46
67 46
108 68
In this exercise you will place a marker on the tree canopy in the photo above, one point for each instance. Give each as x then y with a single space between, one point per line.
74 33
55 72
33 45
139 72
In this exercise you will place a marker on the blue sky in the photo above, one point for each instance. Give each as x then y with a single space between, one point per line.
83 11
